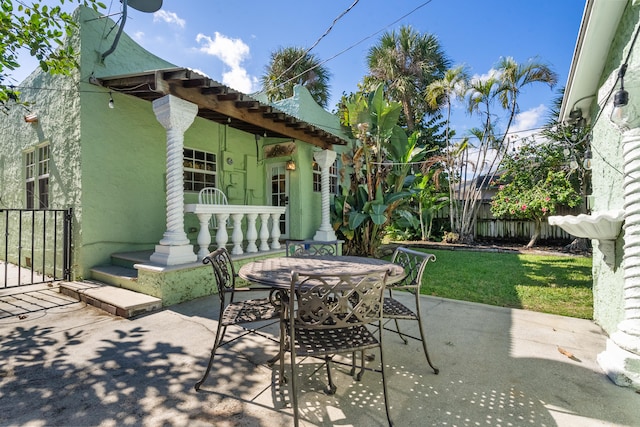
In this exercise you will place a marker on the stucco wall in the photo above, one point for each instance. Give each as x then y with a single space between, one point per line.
109 165
608 166
55 101
123 152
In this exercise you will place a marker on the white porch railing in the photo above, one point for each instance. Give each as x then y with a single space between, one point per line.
268 232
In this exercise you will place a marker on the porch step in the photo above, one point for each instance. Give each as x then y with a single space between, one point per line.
117 301
129 259
115 275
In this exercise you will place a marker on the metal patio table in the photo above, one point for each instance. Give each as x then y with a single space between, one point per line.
276 272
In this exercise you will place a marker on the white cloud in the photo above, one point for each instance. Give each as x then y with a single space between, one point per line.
239 79
138 36
527 120
492 73
169 18
232 52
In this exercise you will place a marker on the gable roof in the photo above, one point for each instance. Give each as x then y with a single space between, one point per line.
221 104
597 30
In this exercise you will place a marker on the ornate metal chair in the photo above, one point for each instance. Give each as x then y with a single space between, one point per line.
235 312
328 315
414 264
312 248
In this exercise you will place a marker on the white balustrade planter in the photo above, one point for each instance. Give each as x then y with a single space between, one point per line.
602 226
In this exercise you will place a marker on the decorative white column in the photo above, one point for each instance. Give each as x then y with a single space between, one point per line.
175 115
621 359
325 159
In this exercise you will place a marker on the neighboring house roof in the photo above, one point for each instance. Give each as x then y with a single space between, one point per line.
599 23
222 104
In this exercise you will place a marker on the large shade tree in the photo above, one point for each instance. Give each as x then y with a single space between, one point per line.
290 66
406 62
37 29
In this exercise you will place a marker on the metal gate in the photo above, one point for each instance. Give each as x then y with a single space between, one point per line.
35 247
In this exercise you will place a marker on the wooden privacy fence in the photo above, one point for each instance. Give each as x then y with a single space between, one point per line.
489 227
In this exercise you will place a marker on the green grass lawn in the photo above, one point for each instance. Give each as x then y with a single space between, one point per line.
545 283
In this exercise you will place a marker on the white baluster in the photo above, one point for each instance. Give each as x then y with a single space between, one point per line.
252 233
222 237
264 231
236 236
275 231
204 235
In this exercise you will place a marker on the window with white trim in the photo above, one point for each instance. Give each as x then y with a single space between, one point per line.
36 164
30 177
43 176
199 169
333 178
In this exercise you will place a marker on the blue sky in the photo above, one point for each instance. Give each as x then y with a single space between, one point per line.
231 41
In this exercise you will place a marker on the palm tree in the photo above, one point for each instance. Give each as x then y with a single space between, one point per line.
441 94
291 66
487 98
407 62
514 77
451 86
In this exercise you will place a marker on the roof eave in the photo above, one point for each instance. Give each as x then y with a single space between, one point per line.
597 30
221 104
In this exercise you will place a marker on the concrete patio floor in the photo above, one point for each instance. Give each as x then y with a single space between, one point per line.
75 365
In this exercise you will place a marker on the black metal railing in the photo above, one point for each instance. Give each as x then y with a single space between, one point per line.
35 247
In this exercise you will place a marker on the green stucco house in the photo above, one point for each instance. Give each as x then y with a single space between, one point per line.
607 61
130 139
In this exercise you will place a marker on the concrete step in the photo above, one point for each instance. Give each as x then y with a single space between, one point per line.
115 275
129 259
117 301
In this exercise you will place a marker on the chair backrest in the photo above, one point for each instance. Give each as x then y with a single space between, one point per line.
212 196
300 248
414 264
336 300
223 270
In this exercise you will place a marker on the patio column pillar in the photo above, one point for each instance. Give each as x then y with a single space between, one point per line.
175 115
621 359
325 159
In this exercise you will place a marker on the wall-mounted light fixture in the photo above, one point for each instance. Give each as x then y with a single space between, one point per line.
31 118
111 103
291 165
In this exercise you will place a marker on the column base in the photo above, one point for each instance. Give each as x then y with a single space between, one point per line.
325 236
174 238
621 366
173 255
